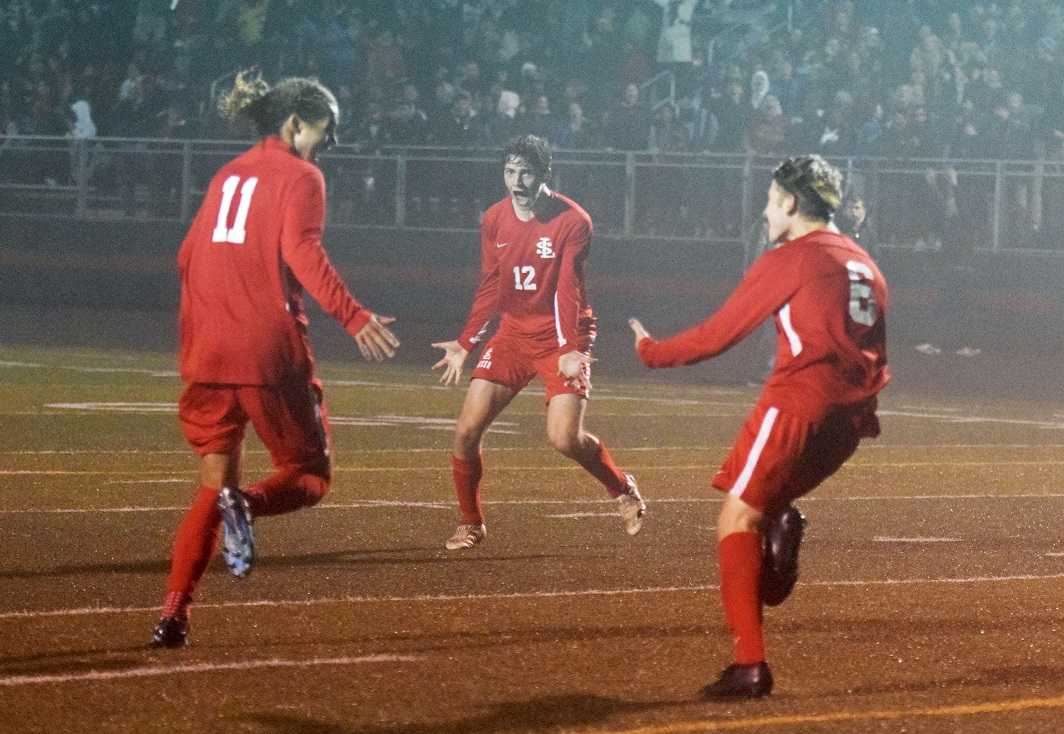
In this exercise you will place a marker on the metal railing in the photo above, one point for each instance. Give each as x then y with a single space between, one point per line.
971 205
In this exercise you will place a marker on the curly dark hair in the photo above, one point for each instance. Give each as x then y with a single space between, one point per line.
533 150
268 107
814 183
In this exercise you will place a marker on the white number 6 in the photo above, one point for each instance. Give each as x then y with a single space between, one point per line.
863 307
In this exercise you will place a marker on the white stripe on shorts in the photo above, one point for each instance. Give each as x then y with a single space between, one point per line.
755 452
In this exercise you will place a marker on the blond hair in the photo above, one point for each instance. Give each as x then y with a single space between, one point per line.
268 107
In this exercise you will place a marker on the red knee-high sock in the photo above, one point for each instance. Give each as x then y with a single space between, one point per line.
602 468
287 490
196 538
467 474
740 570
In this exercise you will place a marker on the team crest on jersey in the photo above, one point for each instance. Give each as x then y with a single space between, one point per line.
545 248
485 359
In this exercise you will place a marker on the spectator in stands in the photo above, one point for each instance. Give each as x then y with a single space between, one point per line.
384 60
458 126
540 121
469 78
838 131
443 95
603 54
853 221
506 123
674 41
768 128
635 67
732 115
371 133
576 131
628 124
407 123
667 190
787 88
82 126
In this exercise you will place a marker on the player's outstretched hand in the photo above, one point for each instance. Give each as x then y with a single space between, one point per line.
574 367
453 358
640 332
375 340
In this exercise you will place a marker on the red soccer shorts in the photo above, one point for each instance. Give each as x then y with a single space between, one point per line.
778 457
291 419
512 361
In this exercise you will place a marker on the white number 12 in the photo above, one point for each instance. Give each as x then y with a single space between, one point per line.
524 278
238 232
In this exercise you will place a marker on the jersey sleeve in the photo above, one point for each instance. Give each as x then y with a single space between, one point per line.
486 301
571 296
303 253
767 286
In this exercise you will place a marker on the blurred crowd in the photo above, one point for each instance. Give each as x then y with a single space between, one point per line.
904 78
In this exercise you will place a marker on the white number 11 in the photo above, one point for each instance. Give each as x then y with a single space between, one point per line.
238 232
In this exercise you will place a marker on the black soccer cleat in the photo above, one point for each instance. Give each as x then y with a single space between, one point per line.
170 632
740 681
781 540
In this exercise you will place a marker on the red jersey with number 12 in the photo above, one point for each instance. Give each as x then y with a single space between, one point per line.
254 245
829 300
532 275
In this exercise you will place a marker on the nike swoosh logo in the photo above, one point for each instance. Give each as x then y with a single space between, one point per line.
502 244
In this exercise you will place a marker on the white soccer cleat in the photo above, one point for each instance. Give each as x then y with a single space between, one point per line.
466 536
238 540
632 507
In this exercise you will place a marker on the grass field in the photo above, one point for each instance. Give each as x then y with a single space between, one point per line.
931 600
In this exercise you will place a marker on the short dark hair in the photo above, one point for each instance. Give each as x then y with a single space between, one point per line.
813 182
534 150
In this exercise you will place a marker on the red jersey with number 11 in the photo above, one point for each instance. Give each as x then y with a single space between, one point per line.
253 247
829 300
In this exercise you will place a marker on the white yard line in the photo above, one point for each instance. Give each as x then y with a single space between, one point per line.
712 497
866 446
465 598
151 671
851 466
887 539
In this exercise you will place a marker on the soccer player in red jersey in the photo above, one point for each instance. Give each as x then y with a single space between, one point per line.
251 250
533 246
829 302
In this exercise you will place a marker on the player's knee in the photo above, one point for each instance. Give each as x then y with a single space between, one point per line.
565 442
737 517
466 439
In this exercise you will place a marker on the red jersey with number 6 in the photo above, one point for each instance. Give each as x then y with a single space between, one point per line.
829 300
253 247
532 275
